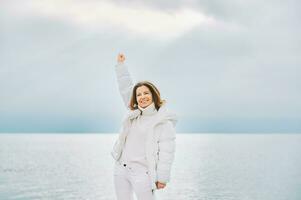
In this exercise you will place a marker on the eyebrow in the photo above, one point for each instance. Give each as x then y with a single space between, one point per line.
144 92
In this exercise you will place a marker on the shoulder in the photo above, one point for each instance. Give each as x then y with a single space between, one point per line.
165 117
131 114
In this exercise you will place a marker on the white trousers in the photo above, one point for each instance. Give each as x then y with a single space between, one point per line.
132 179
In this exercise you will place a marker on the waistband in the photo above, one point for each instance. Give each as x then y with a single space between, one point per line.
133 166
138 167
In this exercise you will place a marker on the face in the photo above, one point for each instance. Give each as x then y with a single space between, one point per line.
143 96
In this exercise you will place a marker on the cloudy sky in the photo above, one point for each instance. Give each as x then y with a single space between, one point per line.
223 66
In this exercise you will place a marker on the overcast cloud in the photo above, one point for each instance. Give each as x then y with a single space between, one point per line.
223 67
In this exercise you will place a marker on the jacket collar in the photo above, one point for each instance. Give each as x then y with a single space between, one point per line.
149 110
163 114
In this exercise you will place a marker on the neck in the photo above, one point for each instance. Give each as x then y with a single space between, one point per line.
149 110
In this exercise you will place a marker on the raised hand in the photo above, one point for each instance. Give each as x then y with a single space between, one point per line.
120 58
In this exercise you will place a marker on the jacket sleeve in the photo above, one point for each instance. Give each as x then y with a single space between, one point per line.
125 82
166 152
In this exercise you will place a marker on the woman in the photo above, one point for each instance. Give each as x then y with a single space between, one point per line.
144 151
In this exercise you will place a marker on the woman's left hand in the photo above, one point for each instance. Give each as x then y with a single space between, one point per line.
160 185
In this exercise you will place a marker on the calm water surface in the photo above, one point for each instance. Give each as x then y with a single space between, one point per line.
206 167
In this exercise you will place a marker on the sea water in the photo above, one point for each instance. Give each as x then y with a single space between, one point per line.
206 167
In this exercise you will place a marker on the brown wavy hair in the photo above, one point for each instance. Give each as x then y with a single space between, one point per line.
154 91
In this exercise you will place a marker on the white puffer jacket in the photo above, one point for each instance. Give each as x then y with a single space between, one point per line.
160 142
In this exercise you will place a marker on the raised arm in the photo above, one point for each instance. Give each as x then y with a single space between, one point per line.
124 80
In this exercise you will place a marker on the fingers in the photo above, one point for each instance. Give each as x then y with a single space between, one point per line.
120 55
160 185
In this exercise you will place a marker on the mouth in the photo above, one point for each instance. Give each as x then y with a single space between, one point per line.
146 101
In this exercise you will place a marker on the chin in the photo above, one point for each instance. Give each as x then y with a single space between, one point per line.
144 106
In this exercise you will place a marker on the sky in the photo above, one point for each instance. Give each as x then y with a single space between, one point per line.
222 66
